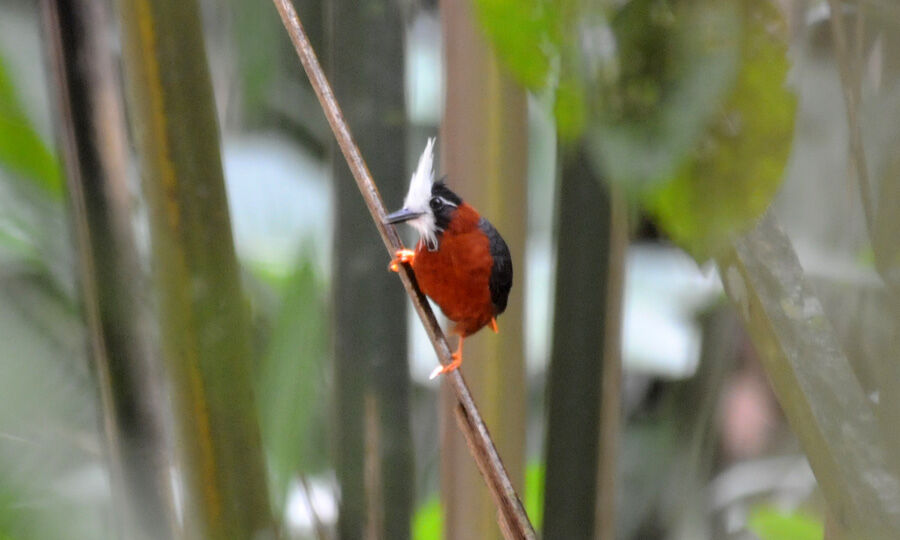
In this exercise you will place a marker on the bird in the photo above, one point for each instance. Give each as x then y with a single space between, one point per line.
461 262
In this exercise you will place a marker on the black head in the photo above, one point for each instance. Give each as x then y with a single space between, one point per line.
443 204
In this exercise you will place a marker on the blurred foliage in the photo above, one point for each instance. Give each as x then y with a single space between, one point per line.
256 34
674 62
534 493
684 103
48 421
290 386
535 41
31 210
52 474
21 149
734 172
428 522
52 479
523 34
570 108
771 524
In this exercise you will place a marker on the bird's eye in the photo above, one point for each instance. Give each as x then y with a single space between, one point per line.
436 203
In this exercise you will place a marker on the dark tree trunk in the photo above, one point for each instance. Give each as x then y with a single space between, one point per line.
372 372
576 374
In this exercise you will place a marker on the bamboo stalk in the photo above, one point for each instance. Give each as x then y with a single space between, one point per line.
91 134
203 320
373 439
514 522
583 383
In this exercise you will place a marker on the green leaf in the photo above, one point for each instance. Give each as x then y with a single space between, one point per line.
675 64
42 471
15 247
733 174
770 524
534 493
533 39
290 386
428 523
22 151
522 35
570 109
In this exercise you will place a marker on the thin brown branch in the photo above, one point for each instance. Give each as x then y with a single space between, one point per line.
514 520
851 101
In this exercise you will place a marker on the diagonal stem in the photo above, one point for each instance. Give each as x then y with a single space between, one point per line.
513 519
850 83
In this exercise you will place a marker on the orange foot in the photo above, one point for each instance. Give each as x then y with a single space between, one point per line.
452 366
400 257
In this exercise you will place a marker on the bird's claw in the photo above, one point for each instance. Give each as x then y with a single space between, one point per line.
401 256
452 366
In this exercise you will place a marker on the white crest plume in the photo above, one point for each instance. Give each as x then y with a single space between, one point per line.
419 195
420 184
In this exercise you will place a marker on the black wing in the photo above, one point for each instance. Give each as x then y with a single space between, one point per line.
502 271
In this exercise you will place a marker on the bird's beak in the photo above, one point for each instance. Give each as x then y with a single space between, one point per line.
401 215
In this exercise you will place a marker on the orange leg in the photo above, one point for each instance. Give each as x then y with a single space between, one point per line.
400 257
457 361
494 325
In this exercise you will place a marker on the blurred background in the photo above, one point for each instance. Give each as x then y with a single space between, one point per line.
157 383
